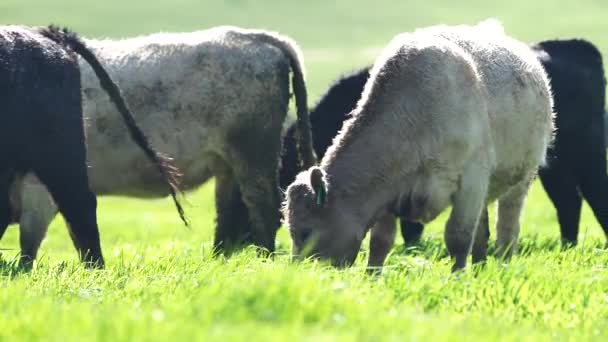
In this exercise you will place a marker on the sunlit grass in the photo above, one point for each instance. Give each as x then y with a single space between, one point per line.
161 282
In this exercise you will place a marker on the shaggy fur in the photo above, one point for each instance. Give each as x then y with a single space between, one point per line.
455 116
576 73
215 101
42 131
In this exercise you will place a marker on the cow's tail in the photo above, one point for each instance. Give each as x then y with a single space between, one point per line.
164 164
293 52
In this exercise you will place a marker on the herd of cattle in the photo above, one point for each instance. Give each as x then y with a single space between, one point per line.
456 116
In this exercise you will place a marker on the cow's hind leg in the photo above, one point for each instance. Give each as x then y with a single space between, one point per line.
60 165
592 172
510 207
5 205
468 202
260 193
37 212
78 205
380 243
595 191
561 187
411 231
232 229
255 161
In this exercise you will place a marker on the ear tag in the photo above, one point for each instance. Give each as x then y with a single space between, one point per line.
321 196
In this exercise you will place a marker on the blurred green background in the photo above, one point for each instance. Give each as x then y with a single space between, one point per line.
335 35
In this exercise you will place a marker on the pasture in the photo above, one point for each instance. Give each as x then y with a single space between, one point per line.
161 281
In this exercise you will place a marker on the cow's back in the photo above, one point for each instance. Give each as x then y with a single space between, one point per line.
518 99
39 90
578 83
188 91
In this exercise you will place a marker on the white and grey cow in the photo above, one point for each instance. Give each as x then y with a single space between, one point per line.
458 116
215 100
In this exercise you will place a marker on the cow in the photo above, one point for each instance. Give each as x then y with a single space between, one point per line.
576 162
450 115
326 119
42 132
575 69
216 101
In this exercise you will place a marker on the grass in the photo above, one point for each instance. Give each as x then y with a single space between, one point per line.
162 283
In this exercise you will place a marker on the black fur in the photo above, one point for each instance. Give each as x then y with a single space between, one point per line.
576 161
42 131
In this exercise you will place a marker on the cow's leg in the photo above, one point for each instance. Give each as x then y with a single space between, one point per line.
561 187
254 159
5 205
468 202
60 164
411 231
37 212
77 203
482 235
260 193
232 228
595 191
381 240
592 172
510 207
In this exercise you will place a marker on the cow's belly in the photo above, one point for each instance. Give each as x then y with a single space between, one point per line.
134 175
427 196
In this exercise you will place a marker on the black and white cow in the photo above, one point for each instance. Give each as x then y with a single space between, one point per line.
41 130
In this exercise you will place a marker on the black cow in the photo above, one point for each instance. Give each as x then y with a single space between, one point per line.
576 165
41 128
577 160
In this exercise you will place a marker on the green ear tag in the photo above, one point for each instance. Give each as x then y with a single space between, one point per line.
321 196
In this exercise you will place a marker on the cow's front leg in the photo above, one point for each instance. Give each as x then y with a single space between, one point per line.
380 243
468 202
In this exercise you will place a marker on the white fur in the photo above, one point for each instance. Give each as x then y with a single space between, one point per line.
451 115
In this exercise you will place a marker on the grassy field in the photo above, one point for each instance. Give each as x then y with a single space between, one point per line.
162 283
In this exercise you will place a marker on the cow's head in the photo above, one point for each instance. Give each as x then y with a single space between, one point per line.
318 224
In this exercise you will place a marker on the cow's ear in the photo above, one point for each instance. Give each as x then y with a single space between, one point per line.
318 186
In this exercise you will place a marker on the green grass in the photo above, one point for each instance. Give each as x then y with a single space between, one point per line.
162 283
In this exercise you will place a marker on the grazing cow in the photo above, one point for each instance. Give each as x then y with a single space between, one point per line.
576 73
326 119
455 116
41 130
216 100
576 162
